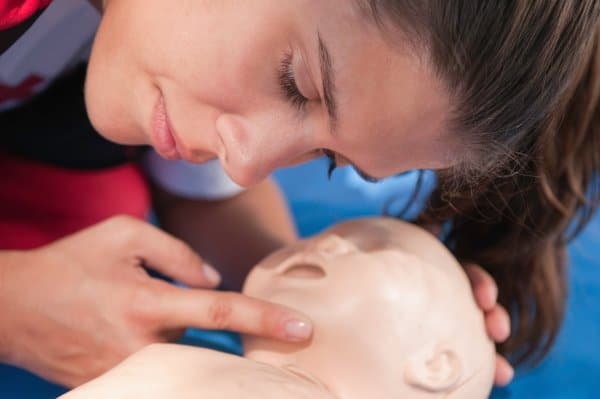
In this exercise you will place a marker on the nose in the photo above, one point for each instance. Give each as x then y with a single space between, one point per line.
333 244
253 147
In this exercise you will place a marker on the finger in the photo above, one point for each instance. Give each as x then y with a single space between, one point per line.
180 307
484 287
435 229
497 322
171 335
171 257
504 372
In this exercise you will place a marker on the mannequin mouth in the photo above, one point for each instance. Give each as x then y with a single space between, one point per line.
303 268
305 271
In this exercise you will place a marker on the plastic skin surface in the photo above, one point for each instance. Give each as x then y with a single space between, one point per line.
393 315
393 312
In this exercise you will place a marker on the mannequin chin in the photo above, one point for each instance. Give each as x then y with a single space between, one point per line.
393 316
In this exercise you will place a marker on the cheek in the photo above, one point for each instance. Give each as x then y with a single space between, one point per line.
115 92
225 53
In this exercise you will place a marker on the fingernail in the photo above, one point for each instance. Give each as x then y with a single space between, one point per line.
212 275
298 330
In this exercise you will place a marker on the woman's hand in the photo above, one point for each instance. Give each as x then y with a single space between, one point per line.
497 320
75 308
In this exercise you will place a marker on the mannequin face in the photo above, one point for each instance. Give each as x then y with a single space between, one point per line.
393 313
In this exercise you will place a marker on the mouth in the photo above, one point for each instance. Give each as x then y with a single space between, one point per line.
162 136
303 267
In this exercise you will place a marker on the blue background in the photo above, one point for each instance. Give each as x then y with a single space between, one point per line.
572 370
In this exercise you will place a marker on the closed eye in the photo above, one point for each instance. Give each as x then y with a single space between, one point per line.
287 81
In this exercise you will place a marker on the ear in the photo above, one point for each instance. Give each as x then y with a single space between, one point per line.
434 369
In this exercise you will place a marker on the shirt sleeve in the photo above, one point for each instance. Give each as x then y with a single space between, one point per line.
207 181
13 12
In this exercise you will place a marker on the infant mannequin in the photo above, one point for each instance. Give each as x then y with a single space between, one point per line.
393 316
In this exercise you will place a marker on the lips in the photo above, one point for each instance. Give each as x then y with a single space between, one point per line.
161 133
167 143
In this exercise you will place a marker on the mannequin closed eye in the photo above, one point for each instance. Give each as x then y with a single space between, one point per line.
304 271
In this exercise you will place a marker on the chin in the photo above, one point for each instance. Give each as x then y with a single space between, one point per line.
111 120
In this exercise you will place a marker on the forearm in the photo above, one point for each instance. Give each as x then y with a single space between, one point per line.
233 234
9 261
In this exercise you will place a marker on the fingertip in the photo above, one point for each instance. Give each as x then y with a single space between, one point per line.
486 297
504 372
212 276
498 322
297 330
484 287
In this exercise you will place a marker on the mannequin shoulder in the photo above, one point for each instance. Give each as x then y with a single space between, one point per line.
168 370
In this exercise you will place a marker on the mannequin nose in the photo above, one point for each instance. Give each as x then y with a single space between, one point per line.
333 244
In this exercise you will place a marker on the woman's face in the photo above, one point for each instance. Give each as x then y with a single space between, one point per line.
263 84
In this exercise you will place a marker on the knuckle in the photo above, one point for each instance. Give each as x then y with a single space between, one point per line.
270 320
220 311
142 305
125 230
181 250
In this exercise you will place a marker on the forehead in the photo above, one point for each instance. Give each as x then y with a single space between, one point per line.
393 108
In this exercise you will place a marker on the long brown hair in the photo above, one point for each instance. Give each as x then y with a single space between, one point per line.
525 81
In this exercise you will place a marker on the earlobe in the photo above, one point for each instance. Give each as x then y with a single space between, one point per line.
434 370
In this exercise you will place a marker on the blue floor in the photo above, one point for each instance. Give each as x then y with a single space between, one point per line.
572 370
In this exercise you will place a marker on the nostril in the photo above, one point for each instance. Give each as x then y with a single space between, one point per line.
305 271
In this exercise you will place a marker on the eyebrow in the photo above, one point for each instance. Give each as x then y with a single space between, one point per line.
329 89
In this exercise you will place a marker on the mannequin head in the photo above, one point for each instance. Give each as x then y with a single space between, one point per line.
393 313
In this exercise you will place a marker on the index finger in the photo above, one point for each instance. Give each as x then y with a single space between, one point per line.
214 310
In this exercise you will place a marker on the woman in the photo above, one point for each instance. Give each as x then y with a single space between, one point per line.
490 93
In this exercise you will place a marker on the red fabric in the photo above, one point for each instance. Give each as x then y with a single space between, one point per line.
41 203
21 91
13 12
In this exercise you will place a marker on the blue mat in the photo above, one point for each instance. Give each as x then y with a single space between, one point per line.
572 371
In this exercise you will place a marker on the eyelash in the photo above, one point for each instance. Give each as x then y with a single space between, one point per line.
287 81
332 166
332 163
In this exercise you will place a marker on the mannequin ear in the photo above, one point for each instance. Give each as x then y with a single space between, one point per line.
434 369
